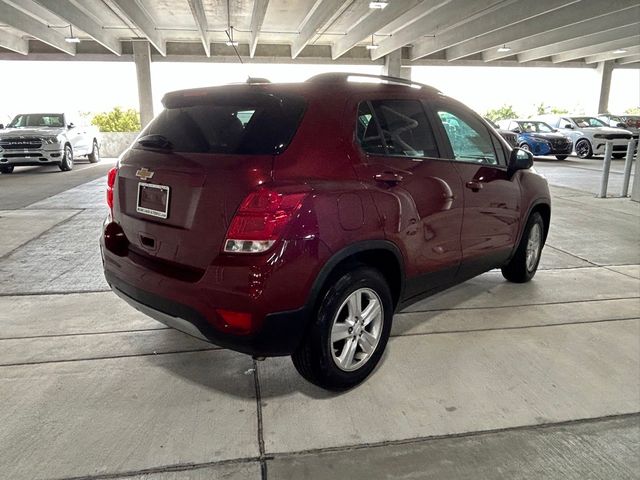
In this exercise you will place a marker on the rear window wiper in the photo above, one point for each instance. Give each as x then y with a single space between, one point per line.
156 141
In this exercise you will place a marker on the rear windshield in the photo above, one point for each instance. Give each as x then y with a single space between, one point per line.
250 124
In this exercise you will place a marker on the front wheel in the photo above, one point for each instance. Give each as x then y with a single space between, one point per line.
562 157
524 264
525 146
349 332
67 159
6 169
583 149
94 156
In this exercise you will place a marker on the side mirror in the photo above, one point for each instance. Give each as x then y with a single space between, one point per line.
516 130
568 125
520 160
71 125
621 125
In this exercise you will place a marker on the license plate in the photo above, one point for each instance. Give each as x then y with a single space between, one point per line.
153 200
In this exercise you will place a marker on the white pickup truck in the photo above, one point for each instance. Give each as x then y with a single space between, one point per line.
46 139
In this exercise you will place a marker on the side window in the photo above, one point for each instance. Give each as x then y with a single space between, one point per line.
502 156
367 131
405 127
470 140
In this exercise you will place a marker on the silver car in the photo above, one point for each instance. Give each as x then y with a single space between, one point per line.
589 134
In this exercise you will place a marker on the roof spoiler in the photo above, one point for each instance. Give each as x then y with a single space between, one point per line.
345 77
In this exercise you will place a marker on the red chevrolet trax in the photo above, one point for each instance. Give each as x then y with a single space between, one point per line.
295 219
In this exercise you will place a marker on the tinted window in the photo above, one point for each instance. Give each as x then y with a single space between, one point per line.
232 124
470 140
403 125
38 120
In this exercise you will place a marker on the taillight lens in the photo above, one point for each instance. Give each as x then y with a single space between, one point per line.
111 181
260 220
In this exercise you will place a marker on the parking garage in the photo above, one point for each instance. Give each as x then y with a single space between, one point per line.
487 379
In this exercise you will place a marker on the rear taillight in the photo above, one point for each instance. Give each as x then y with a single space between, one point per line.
111 181
260 220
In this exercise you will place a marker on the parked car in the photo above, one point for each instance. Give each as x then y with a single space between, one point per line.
539 138
627 122
589 134
510 137
295 219
45 139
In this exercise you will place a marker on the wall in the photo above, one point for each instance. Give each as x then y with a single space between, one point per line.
114 143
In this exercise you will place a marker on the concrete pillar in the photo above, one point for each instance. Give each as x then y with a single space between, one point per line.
605 69
393 66
142 58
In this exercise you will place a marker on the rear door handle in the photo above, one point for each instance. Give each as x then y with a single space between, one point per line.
391 178
474 185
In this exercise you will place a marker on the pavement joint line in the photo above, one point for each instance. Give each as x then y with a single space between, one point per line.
81 334
214 348
521 305
41 234
621 273
574 255
263 461
432 438
600 206
54 292
218 348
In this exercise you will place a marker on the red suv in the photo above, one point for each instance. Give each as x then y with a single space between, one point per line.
295 219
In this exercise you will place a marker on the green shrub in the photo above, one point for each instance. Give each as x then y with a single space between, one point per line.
632 111
117 120
505 112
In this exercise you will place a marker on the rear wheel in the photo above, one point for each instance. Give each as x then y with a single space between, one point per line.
67 159
94 156
349 332
583 149
524 264
6 169
562 157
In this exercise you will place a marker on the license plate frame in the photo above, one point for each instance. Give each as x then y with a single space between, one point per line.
146 210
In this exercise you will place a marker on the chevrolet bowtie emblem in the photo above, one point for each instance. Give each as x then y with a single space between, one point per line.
144 174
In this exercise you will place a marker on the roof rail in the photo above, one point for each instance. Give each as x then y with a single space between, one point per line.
344 77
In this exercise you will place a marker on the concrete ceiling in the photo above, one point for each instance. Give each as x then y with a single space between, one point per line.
460 32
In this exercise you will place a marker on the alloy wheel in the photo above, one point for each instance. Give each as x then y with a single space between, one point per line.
533 246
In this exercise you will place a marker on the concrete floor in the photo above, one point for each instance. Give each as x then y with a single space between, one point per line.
487 380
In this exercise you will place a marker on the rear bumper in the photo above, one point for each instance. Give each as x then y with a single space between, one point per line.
280 334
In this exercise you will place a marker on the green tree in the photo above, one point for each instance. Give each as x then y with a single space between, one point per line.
117 120
633 111
503 113
543 109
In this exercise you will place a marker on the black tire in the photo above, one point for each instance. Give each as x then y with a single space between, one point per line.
6 169
562 157
94 156
520 269
583 148
618 155
67 160
525 146
314 358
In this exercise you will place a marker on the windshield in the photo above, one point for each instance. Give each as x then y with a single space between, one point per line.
37 120
584 122
231 124
535 127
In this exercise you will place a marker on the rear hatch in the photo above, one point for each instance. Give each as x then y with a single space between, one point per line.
181 183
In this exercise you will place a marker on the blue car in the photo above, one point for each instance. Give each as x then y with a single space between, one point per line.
539 138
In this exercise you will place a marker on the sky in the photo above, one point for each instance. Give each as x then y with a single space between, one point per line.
75 86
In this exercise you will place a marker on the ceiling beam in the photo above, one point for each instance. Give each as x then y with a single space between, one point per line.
586 40
595 49
19 20
505 15
374 21
200 17
628 60
621 18
79 19
14 43
257 19
132 10
630 51
434 18
324 11
542 21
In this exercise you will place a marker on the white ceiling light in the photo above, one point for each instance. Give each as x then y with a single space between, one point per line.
504 49
71 38
378 5
620 50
